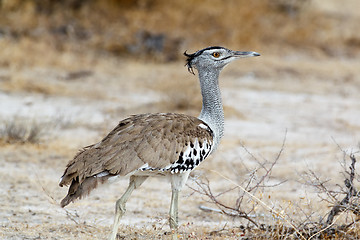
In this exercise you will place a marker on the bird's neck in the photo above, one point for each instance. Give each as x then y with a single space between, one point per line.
212 112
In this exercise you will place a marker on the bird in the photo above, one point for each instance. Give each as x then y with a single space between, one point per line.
156 144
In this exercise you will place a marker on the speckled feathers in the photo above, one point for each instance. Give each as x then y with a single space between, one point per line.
161 142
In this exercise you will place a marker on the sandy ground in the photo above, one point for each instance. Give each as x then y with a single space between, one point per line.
312 101
306 101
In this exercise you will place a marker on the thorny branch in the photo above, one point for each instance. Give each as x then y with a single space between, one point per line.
227 210
253 184
307 228
345 203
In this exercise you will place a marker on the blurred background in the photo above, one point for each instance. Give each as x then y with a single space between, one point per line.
71 69
161 30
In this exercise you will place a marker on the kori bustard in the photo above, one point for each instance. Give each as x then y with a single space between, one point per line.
160 144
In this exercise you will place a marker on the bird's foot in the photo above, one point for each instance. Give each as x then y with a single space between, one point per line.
174 234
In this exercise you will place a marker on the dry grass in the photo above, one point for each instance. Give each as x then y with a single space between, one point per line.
293 220
160 30
20 131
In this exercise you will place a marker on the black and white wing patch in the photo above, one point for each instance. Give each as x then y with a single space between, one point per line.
192 148
193 155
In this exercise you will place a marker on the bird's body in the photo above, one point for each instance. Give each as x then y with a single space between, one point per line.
156 144
160 144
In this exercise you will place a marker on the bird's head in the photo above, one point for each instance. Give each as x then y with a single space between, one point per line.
214 57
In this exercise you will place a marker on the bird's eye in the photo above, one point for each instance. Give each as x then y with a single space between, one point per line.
216 54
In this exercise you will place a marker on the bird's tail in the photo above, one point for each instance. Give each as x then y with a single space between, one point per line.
80 190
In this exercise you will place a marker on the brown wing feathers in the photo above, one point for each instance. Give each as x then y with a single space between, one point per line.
152 139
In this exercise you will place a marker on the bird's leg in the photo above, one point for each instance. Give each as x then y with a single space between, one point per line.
173 219
177 183
135 182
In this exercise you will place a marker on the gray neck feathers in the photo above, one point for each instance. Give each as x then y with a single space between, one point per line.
212 112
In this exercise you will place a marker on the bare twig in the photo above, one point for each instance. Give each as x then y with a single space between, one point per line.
224 209
344 203
252 184
265 205
320 185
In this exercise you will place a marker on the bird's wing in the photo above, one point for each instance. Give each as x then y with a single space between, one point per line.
144 142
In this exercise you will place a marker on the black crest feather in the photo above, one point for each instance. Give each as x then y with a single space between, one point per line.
191 56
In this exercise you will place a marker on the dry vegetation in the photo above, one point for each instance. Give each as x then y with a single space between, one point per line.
161 30
70 69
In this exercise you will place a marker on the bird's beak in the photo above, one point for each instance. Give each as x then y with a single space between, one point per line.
239 54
